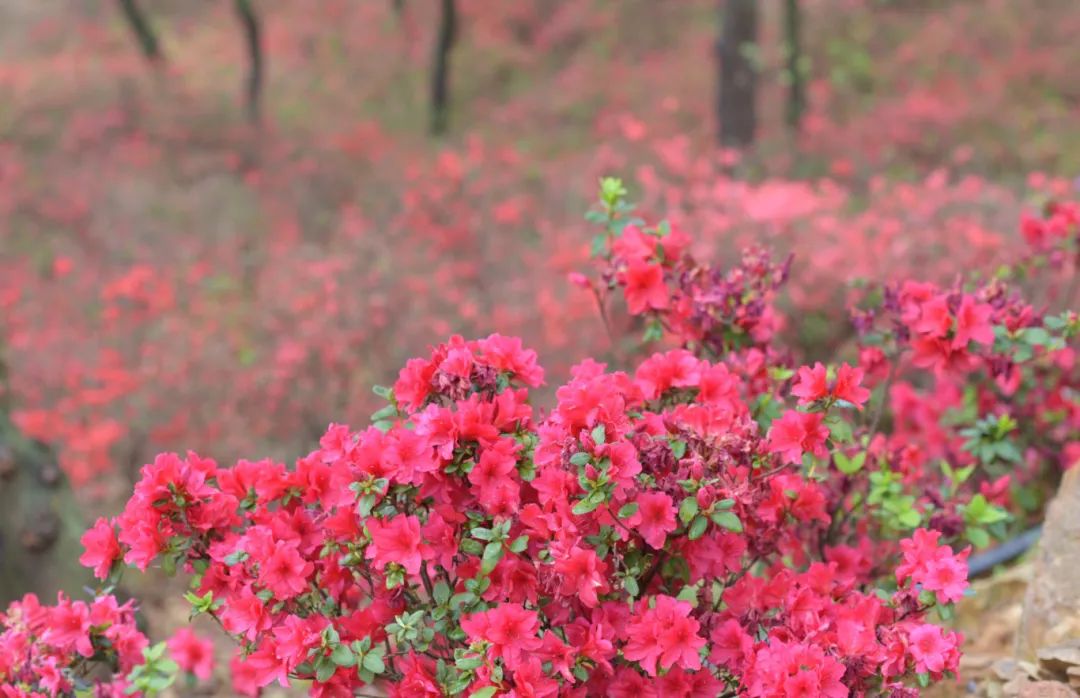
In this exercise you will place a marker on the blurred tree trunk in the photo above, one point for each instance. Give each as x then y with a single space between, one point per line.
144 33
796 68
440 72
40 525
249 23
737 108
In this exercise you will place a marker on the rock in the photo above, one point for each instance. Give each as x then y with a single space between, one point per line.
1051 612
1046 689
1058 659
1074 676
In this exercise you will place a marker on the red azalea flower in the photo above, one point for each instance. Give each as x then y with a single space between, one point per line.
102 548
192 653
654 518
645 287
796 433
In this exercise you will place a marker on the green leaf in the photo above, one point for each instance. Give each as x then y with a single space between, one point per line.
631 585
580 458
343 656
471 547
840 431
365 505
519 544
485 692
441 592
387 412
978 537
469 663
628 510
597 434
374 663
909 518
697 529
728 520
688 509
483 533
849 466
678 448
1036 336
689 594
324 669
589 503
493 552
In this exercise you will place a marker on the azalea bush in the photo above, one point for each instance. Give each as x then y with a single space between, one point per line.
707 517
648 518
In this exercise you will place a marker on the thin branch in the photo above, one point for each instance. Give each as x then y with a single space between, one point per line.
249 22
440 72
144 33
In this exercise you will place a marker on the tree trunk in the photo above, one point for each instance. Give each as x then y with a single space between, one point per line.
249 22
40 526
144 33
737 108
440 72
796 69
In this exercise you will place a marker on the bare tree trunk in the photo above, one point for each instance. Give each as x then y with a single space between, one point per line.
249 22
40 525
737 108
796 69
144 33
440 73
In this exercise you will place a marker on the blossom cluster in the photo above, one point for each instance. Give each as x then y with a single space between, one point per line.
90 648
978 408
647 536
40 646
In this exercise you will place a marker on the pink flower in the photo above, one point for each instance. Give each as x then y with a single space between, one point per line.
973 323
933 567
935 318
397 540
812 384
102 548
849 386
664 635
285 572
661 372
796 433
245 614
654 518
583 575
69 626
932 649
645 287
731 645
194 654
513 632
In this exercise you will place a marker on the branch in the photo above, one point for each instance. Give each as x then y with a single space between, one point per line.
144 33
440 73
249 22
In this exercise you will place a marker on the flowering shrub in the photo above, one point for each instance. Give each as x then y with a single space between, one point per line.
646 535
716 521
